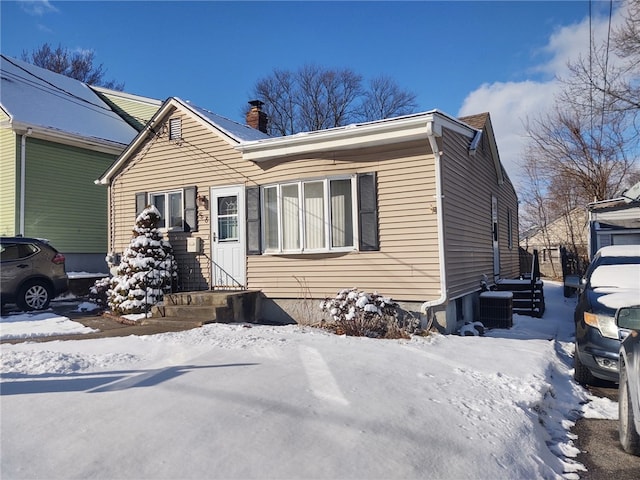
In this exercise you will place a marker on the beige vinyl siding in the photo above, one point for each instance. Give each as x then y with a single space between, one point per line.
509 257
62 202
405 268
201 159
9 165
468 185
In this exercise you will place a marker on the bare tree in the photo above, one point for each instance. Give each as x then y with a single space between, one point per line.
316 98
536 211
586 148
78 65
326 97
597 161
608 78
278 92
553 209
385 99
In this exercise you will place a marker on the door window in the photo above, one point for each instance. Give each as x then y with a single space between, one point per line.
228 218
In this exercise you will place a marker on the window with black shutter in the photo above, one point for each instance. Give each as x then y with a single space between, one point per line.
368 212
177 208
313 216
254 243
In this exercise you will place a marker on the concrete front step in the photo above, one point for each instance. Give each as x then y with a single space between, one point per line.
199 298
187 311
208 307
171 321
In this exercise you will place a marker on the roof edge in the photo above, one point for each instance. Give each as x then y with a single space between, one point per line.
386 131
99 144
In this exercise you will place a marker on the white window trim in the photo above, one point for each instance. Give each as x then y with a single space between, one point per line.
166 203
301 217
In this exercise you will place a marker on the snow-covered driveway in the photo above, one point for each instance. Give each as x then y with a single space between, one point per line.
226 401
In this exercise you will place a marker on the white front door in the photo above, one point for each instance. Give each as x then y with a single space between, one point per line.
496 245
228 237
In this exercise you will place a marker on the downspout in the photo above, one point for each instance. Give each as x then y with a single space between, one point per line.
23 183
426 306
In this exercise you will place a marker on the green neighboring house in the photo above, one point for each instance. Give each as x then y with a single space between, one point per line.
57 135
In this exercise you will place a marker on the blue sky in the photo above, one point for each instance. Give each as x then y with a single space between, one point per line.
459 57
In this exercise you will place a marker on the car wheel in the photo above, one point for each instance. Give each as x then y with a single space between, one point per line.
580 372
34 295
629 438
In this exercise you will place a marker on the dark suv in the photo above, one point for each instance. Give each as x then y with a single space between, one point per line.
612 277
31 272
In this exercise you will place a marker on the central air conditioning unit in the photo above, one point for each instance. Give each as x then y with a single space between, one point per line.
496 309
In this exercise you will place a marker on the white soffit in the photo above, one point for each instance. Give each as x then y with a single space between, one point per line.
383 132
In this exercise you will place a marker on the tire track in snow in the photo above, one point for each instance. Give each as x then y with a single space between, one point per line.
321 380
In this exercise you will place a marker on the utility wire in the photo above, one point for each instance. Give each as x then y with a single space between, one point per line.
54 89
606 68
55 93
590 78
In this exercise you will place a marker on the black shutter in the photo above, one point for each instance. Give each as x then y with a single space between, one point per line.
190 209
141 202
254 246
368 212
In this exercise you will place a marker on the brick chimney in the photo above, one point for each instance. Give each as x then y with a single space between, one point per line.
256 118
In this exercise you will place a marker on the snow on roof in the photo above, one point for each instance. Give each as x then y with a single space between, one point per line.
36 97
235 130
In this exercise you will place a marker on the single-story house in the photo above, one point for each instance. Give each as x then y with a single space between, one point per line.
615 221
57 135
418 208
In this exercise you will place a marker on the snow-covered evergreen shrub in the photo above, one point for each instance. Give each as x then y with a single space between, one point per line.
98 292
363 314
147 270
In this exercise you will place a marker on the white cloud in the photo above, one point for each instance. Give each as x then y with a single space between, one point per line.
512 103
37 7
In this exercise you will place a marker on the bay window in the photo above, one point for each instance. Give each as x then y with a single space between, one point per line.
310 216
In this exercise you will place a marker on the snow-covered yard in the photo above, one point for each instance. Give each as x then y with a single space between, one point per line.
233 401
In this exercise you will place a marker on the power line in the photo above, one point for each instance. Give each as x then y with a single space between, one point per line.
606 68
55 90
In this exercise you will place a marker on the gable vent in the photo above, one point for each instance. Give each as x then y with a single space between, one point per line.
175 129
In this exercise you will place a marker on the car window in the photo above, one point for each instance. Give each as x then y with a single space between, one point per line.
619 260
9 251
27 249
619 276
16 251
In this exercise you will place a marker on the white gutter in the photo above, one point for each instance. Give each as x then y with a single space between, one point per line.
23 170
433 131
370 134
59 136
